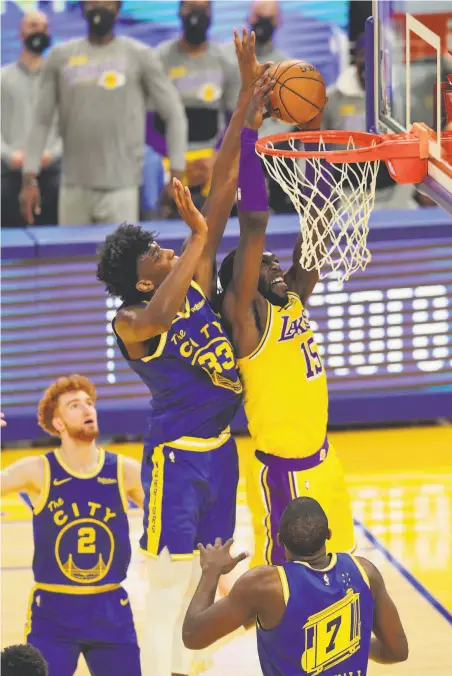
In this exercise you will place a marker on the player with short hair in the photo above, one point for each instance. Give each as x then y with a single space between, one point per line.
283 376
171 337
79 495
315 612
23 660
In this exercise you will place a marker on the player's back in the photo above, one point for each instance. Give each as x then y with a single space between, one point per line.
327 624
191 372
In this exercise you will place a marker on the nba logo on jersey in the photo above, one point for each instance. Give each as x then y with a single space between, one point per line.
238 195
322 455
326 579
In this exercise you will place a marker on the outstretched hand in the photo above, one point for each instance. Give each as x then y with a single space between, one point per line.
218 557
256 112
250 68
187 210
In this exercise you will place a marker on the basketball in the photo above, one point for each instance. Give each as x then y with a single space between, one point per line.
299 93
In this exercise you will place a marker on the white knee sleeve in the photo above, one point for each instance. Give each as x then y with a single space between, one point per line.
168 584
182 657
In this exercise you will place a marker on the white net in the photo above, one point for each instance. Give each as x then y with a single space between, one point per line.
333 202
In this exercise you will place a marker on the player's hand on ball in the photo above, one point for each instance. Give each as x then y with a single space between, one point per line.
218 557
256 109
250 68
187 210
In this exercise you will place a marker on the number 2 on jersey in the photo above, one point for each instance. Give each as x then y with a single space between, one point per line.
86 541
314 366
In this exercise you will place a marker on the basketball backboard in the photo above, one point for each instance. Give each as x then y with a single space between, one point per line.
408 59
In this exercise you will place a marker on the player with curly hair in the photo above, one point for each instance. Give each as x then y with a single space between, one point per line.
171 337
23 660
79 495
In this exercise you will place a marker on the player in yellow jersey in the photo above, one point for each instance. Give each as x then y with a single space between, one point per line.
284 380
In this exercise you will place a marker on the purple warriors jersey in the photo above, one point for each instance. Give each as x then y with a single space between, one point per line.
80 527
191 372
327 625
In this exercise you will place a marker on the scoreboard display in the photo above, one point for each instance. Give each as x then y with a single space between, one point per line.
385 336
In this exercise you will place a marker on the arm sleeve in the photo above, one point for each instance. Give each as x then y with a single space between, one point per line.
45 107
167 102
54 143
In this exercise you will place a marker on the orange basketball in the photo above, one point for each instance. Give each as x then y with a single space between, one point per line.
299 93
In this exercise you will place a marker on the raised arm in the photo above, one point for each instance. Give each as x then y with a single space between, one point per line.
389 645
221 197
207 621
44 111
136 325
252 207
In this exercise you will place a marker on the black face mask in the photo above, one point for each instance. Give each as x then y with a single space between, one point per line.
37 42
196 24
264 29
100 20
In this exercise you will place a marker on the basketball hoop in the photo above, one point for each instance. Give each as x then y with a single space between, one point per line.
335 192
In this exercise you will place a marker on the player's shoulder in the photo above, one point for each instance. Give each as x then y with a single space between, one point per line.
257 580
33 467
374 576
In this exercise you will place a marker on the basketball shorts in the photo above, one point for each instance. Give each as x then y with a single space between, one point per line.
273 481
98 626
190 495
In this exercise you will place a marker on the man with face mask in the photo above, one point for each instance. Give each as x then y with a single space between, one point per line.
19 87
101 86
79 495
207 84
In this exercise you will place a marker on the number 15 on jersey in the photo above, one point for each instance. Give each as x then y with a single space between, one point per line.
314 365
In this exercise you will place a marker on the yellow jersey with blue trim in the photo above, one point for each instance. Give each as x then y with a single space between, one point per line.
285 388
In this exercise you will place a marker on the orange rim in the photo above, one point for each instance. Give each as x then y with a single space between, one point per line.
370 147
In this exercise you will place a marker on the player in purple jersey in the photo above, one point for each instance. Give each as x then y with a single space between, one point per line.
314 614
79 495
170 335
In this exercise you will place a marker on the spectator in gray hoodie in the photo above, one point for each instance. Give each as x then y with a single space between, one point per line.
100 86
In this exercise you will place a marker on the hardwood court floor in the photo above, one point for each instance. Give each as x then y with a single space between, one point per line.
401 487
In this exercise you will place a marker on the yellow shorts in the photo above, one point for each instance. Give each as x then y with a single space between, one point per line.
271 486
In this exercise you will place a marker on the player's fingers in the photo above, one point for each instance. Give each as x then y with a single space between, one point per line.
178 192
228 544
252 40
244 36
240 557
201 548
237 42
209 547
217 542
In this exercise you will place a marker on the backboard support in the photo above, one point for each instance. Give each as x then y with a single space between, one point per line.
407 47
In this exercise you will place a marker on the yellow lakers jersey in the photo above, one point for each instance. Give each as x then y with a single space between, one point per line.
286 396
